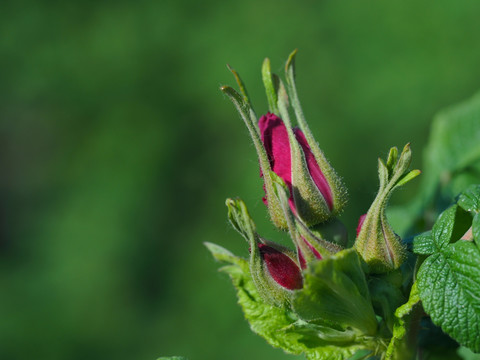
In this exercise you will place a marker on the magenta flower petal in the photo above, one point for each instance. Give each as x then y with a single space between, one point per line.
360 223
282 269
314 170
301 258
275 140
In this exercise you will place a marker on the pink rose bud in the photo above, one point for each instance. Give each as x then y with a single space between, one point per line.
274 268
317 193
311 197
281 268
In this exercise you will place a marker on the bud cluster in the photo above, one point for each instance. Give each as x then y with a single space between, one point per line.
304 195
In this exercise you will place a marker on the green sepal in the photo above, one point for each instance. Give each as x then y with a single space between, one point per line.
283 102
392 159
222 254
317 240
282 194
383 174
271 86
298 229
337 188
403 344
335 290
241 85
243 91
407 177
250 120
240 218
376 242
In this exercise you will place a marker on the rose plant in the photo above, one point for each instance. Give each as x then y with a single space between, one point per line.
380 296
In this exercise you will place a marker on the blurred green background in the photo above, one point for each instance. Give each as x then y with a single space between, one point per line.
117 151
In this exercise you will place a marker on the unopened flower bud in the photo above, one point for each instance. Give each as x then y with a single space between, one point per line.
316 192
311 195
376 241
281 267
274 268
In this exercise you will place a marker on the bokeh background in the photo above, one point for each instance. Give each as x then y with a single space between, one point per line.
117 151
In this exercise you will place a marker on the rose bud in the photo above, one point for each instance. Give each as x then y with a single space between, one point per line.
376 241
274 268
281 267
316 192
311 195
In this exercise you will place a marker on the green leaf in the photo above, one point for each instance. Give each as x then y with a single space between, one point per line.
450 226
449 287
470 199
424 244
172 358
476 229
386 295
399 346
467 354
280 326
443 228
335 290
454 143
